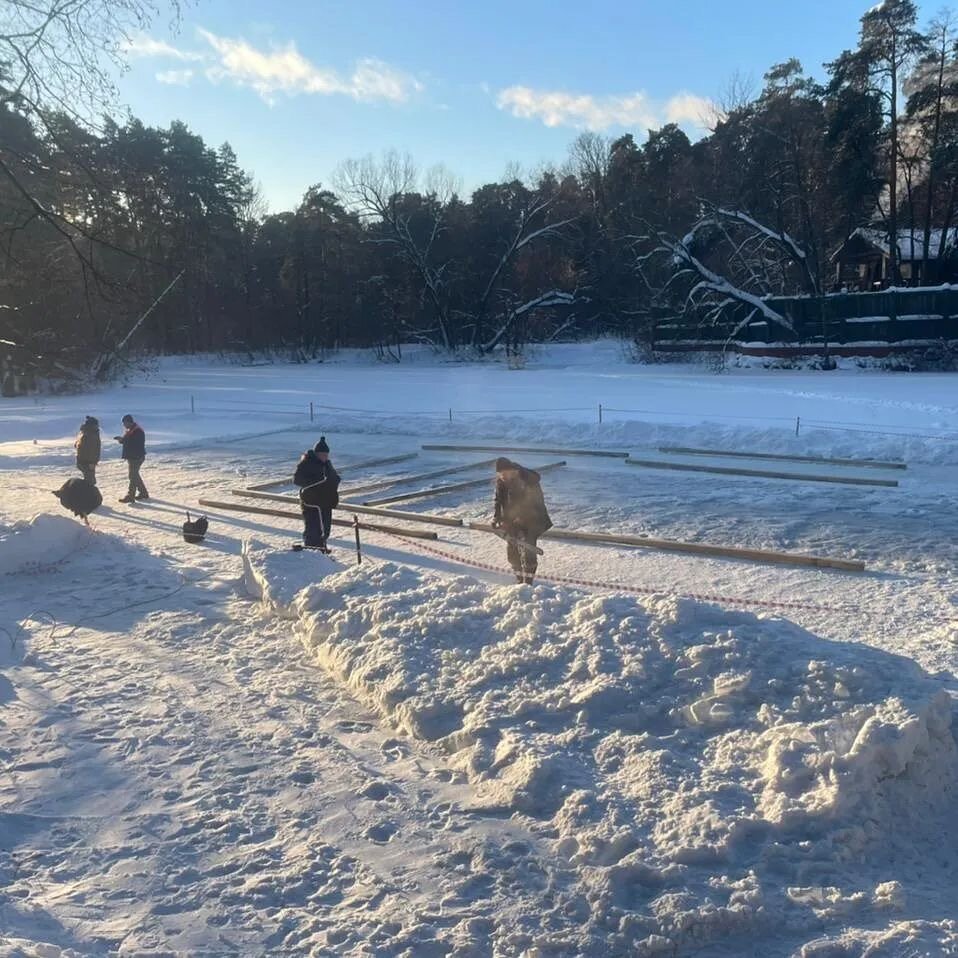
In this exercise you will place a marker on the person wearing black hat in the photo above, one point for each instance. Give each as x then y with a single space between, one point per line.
87 445
520 511
318 485
133 442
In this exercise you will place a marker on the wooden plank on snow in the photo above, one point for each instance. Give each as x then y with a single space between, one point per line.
759 473
782 457
697 548
506 448
451 487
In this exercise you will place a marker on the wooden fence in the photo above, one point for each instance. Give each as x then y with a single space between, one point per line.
889 316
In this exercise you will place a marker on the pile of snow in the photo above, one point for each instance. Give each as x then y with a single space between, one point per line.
277 577
40 543
704 773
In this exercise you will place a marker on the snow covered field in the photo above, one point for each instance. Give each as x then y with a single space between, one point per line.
233 748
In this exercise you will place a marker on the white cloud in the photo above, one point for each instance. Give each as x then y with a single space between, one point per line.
286 70
144 46
175 77
557 108
585 111
281 69
687 108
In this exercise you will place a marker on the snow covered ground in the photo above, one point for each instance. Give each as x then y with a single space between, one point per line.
234 748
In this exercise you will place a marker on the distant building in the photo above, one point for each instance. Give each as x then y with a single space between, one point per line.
863 261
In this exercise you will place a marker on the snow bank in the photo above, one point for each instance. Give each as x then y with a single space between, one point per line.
276 577
704 773
42 542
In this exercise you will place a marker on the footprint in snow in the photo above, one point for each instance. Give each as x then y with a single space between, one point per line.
347 726
382 833
377 791
393 749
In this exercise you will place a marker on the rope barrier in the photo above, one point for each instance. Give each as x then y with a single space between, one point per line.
637 590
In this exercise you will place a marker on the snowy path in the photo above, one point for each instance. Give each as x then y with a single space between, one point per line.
194 784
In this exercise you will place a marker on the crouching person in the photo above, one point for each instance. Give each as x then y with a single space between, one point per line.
318 485
521 514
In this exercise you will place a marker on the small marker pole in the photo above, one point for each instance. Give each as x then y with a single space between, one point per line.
192 406
450 413
600 413
359 554
798 423
310 412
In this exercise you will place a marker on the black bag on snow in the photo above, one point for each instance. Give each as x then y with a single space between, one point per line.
195 529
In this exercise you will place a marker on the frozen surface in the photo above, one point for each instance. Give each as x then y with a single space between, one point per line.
241 749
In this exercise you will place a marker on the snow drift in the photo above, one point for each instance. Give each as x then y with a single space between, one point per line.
42 542
703 773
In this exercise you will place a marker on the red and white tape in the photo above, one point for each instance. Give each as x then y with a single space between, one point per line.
636 590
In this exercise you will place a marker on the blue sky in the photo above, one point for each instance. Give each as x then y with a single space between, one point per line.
298 86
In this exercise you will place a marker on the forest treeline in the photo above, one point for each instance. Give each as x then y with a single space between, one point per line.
119 235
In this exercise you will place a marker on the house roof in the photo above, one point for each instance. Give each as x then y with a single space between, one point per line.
911 246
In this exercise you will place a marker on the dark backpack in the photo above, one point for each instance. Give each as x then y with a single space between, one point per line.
195 529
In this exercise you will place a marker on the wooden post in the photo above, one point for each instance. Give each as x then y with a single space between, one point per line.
359 552
192 406
600 414
310 412
798 423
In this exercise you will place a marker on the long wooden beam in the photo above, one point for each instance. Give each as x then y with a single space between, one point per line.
397 480
505 448
353 507
369 463
697 548
782 457
758 473
451 487
365 464
370 526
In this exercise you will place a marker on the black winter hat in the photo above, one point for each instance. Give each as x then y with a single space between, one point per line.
321 446
128 418
92 422
502 464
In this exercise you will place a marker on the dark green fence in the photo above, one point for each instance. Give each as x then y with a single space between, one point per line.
887 316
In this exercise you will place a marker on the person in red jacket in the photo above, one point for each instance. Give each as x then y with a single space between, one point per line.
133 442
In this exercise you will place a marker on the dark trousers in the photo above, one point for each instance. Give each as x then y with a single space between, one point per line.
88 471
524 560
317 522
136 483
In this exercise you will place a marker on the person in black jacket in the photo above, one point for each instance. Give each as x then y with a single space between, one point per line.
133 442
521 514
87 445
318 485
